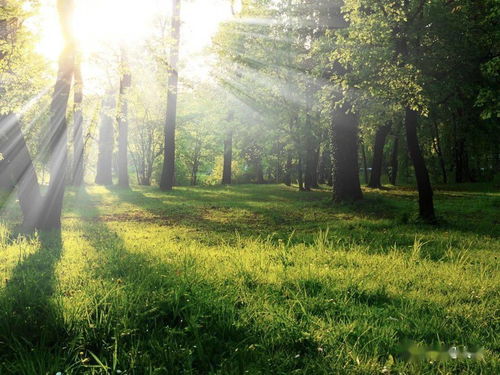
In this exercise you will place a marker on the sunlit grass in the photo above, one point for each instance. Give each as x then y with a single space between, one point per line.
260 279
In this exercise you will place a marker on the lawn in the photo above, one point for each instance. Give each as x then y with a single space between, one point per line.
253 280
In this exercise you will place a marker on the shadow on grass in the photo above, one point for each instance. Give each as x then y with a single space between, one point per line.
158 316
29 317
168 317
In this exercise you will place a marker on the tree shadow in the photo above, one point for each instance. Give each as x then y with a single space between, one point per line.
181 322
29 317
160 316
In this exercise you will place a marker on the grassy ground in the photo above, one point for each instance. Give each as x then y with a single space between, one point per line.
252 279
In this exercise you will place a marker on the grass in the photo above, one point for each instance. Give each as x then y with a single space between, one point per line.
252 280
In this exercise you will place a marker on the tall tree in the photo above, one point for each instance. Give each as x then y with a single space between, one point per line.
125 82
228 158
344 145
78 143
52 203
104 174
378 156
168 173
16 166
228 152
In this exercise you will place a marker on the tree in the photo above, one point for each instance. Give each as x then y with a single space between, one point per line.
228 153
168 172
344 145
378 156
104 174
125 82
78 142
50 212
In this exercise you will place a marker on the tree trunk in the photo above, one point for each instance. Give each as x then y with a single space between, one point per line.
78 145
394 161
325 168
300 175
425 194
462 173
344 145
19 170
378 156
365 164
288 172
104 174
439 152
311 172
168 173
50 214
196 163
228 158
259 171
125 83
45 212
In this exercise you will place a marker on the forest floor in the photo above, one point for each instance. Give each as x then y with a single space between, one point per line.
253 280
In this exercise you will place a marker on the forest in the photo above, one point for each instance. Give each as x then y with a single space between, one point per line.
249 187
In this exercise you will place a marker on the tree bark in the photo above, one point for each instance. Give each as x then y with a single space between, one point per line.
365 164
425 194
104 174
50 213
378 156
78 144
168 173
344 145
394 161
259 171
311 170
19 170
288 171
196 162
462 173
228 158
300 175
125 83
439 152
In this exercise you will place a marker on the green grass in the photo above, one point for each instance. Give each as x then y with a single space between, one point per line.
251 280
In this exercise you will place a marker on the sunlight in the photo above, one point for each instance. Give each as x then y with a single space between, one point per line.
107 23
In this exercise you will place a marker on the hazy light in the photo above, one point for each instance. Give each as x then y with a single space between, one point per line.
101 23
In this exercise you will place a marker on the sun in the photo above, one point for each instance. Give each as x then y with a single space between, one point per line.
101 23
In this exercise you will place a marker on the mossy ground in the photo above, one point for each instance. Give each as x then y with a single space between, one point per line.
251 279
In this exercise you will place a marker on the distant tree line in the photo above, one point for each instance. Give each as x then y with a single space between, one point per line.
304 93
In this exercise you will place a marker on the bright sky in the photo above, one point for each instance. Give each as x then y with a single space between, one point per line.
99 22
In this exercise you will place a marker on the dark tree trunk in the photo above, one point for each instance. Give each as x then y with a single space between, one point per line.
78 145
168 173
278 168
365 164
228 158
325 167
300 175
104 174
45 212
394 161
425 194
19 170
462 173
288 169
439 152
311 170
344 145
378 156
196 163
125 83
259 171
50 214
